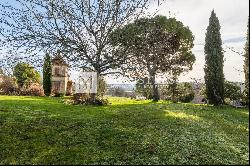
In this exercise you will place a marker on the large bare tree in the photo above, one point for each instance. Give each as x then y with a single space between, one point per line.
80 29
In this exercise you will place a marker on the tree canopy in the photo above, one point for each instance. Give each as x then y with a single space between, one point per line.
25 74
154 45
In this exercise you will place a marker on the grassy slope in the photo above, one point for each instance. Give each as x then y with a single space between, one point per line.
37 130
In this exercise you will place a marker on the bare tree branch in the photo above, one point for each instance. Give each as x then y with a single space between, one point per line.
80 29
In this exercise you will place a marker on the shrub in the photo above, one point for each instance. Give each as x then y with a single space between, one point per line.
182 92
204 100
131 95
185 92
8 86
86 99
232 91
59 94
186 98
117 91
33 90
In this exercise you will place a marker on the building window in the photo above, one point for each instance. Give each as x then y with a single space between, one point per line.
57 71
62 72
57 87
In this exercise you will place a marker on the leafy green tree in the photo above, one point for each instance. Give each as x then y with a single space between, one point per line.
154 46
246 65
214 76
232 91
47 74
25 74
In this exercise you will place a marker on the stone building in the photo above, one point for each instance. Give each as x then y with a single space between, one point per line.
60 76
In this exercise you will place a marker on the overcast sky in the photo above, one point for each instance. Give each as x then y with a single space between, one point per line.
233 16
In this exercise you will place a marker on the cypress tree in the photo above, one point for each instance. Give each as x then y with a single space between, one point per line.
246 65
47 73
214 76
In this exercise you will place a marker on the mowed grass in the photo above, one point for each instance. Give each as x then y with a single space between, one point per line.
44 130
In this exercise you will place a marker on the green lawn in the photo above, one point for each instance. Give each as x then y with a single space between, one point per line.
42 130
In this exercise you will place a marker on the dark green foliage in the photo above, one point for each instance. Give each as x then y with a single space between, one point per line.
214 76
246 67
186 93
186 98
182 92
47 74
59 94
153 46
25 74
232 91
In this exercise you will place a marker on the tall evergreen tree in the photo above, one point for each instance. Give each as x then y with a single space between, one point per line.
214 76
246 64
47 73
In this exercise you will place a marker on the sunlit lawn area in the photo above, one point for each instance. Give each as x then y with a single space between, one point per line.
43 130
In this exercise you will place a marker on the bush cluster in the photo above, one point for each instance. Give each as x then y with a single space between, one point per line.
8 86
186 98
34 89
87 99
59 94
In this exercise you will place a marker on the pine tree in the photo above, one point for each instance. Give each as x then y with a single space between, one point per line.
47 73
246 65
214 76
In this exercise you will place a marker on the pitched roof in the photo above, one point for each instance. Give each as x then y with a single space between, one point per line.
58 60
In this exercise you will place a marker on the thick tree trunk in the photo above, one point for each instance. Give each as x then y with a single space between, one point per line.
94 95
154 87
173 97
